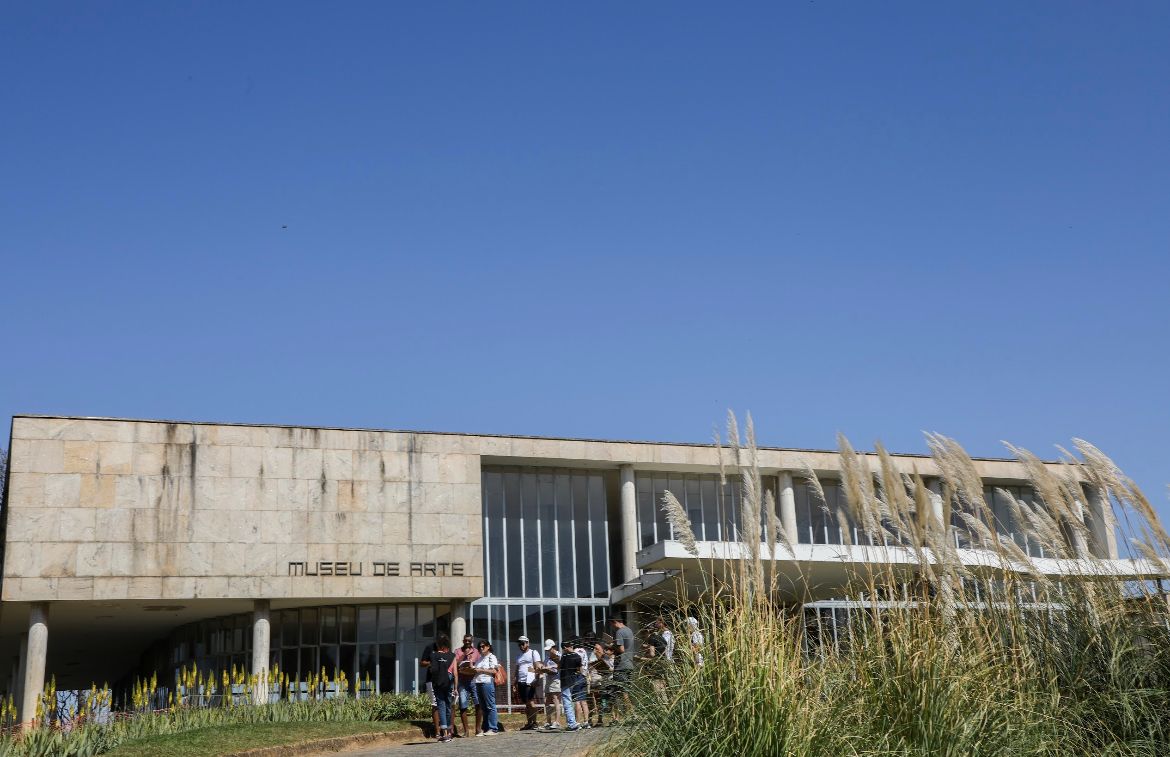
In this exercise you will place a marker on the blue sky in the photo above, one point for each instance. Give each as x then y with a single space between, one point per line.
610 220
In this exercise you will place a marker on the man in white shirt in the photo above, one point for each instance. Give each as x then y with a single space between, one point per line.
524 680
696 640
667 637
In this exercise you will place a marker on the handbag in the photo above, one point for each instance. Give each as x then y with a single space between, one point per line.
501 677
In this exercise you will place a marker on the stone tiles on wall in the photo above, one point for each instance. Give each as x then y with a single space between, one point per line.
123 509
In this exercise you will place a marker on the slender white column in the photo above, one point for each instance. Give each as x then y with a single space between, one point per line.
36 652
629 524
936 501
261 637
459 624
1103 529
788 508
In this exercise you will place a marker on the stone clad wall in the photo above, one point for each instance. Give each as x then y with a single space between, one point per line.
110 509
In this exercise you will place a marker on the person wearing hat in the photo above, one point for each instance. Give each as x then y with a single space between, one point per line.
552 686
524 680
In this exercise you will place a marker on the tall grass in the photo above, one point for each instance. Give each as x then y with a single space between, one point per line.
1036 665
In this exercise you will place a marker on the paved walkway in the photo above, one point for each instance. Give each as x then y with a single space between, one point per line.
509 743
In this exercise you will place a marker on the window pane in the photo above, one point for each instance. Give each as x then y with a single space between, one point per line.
565 545
386 668
310 633
367 623
597 521
584 571
512 547
405 623
328 625
426 623
348 624
387 623
493 492
529 528
549 564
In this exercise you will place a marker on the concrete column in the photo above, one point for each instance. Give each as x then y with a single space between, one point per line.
629 524
788 508
459 624
1103 531
936 502
261 637
36 652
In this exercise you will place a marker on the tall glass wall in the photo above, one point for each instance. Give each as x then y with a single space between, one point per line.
713 508
377 646
547 534
546 559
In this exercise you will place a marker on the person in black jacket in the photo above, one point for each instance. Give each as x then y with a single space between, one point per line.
572 685
442 684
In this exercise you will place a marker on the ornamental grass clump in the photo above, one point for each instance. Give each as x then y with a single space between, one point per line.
968 641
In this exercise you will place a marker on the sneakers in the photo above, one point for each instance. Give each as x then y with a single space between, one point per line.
489 733
573 727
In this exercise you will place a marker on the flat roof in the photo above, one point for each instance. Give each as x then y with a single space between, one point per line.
458 433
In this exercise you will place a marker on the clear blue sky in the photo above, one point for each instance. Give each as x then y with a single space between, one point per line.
614 220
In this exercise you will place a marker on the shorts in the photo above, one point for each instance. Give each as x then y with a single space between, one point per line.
552 686
578 691
466 694
527 691
621 679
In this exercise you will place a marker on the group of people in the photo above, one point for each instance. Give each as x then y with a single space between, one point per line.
582 681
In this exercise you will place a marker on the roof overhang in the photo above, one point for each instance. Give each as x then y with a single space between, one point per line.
809 572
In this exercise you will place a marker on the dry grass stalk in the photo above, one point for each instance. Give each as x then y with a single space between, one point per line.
681 522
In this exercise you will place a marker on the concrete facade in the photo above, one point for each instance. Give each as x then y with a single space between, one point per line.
110 510
129 529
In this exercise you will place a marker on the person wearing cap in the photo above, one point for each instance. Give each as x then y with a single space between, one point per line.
552 686
524 680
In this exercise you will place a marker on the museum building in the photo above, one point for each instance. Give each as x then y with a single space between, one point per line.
133 547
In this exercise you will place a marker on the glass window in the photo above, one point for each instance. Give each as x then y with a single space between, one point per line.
426 623
513 549
348 624
565 537
387 668
600 532
528 539
367 625
581 536
290 634
367 668
329 625
387 623
549 563
406 622
310 633
493 504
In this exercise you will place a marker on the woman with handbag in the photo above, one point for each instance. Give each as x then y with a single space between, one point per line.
487 670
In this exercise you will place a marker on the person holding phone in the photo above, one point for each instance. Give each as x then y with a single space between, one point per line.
463 669
485 689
